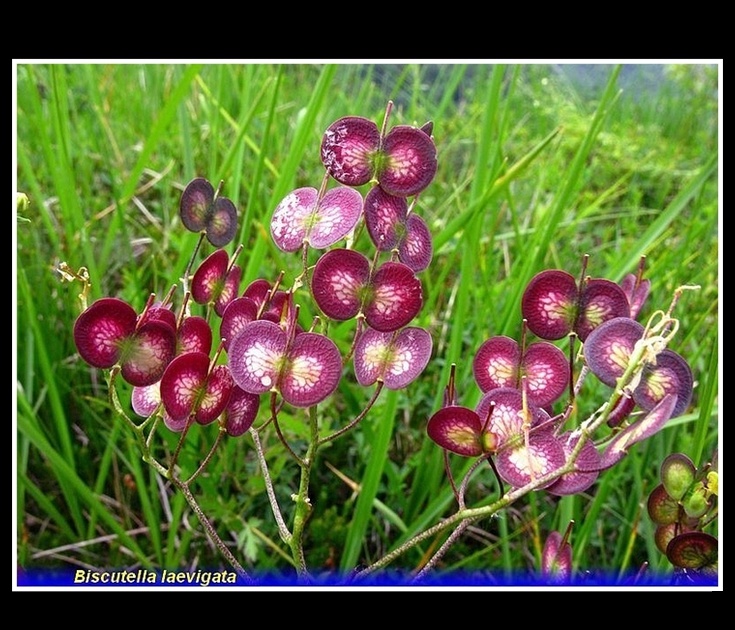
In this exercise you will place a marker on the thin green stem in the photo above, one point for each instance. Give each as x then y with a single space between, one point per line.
303 503
274 418
586 430
275 508
220 434
180 443
168 473
211 531
190 264
357 420
453 537
358 329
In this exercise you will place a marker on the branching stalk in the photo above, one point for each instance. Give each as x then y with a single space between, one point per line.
357 420
275 508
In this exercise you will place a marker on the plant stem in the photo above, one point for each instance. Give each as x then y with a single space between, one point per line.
458 531
274 418
190 264
205 461
168 473
303 504
211 532
472 515
282 529
357 420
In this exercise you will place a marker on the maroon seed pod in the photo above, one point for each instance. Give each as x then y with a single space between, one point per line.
100 330
348 150
188 388
241 411
457 429
299 219
305 373
199 211
216 395
554 306
222 223
644 428
498 363
556 559
195 204
194 335
636 292
391 227
181 384
600 300
257 291
147 352
662 507
518 464
404 162
587 461
105 334
546 369
339 283
342 287
409 161
209 278
608 348
238 314
385 218
506 420
257 355
670 375
549 304
693 550
229 290
395 298
393 359
607 353
159 314
215 281
416 249
312 371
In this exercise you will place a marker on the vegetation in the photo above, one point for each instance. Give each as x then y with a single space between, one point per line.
532 174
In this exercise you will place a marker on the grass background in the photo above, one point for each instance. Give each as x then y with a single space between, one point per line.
538 165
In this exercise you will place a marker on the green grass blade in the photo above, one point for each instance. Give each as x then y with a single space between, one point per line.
46 505
538 245
429 475
301 139
67 475
707 400
61 423
369 483
152 141
456 224
648 239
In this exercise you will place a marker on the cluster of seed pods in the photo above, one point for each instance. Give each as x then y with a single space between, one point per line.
514 422
680 507
174 366
171 360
